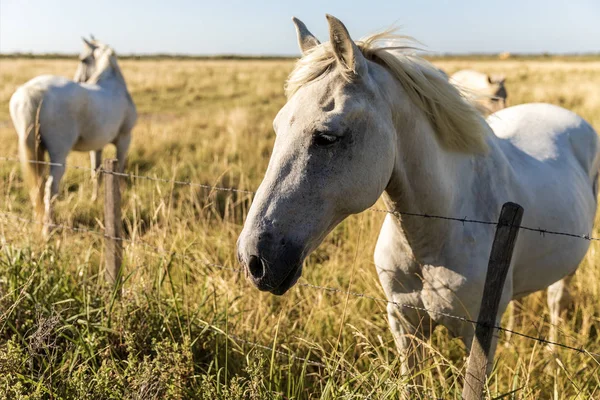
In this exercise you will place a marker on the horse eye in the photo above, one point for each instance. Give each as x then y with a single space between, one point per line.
324 139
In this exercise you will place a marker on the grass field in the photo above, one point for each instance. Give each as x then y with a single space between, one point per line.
63 335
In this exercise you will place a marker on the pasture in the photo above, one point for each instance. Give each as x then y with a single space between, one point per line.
62 335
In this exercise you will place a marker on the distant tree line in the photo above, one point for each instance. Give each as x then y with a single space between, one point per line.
444 56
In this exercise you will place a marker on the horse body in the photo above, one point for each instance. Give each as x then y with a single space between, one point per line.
92 116
362 121
542 157
57 115
554 155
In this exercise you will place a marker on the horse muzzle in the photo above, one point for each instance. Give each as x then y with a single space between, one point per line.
271 265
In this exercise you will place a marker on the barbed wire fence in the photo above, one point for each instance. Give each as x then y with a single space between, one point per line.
463 220
190 258
331 290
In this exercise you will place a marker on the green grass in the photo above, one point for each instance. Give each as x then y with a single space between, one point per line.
175 332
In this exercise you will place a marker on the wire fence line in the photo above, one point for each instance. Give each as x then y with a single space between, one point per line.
158 250
579 349
235 338
135 176
53 225
462 220
229 335
93 232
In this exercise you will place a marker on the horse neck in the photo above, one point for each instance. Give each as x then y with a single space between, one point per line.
425 181
112 78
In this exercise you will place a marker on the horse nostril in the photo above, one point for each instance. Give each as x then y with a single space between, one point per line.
256 267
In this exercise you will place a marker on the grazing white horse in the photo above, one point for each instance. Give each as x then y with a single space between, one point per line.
57 115
487 90
363 120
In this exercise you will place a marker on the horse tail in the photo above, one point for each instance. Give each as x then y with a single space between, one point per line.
25 111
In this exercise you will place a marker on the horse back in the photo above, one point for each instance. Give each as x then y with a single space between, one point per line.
550 135
553 159
27 101
83 117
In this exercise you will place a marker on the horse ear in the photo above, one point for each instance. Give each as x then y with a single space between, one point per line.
88 44
346 51
306 40
496 79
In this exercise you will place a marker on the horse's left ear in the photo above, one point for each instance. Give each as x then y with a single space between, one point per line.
306 40
346 51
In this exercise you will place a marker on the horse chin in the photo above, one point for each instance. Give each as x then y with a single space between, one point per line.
289 281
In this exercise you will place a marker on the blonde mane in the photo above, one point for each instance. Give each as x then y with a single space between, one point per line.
107 64
457 120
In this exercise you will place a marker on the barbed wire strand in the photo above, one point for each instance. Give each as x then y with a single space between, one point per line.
56 226
229 189
463 319
463 220
158 250
482 222
235 337
136 176
209 326
580 349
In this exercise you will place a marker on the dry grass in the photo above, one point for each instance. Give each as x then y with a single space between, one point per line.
210 122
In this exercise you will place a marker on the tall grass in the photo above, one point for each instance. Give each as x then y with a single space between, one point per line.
184 329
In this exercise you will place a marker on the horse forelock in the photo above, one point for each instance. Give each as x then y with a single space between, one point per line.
457 120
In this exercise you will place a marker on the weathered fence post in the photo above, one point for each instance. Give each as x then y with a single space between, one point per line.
113 244
502 249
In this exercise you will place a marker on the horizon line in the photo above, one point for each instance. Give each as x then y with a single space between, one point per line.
59 54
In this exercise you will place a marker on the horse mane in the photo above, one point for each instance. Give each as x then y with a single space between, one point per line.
107 64
457 120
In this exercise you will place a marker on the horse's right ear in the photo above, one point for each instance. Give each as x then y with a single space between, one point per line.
496 79
499 79
88 44
346 51
306 40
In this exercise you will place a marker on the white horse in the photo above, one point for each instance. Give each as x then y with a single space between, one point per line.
363 120
490 92
487 90
57 115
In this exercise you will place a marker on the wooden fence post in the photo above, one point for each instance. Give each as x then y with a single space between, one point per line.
502 249
113 244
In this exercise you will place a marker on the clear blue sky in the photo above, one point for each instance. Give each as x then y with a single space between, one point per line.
264 27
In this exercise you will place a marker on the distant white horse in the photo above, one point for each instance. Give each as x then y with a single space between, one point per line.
487 90
363 120
57 115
